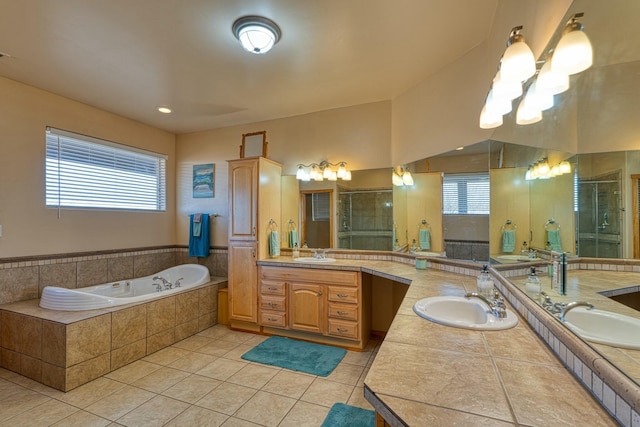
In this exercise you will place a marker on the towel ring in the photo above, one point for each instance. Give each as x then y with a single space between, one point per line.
292 225
273 225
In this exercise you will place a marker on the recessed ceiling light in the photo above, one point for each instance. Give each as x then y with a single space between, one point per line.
165 110
460 148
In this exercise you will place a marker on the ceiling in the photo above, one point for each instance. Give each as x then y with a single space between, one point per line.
128 57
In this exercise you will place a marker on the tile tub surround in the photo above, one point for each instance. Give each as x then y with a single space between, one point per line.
405 394
22 279
64 349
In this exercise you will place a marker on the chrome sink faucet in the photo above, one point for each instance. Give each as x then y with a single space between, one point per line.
319 253
497 307
573 305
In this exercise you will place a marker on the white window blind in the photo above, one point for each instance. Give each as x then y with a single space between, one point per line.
466 194
86 172
321 206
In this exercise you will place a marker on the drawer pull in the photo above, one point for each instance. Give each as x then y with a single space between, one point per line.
271 319
342 330
342 313
342 295
273 289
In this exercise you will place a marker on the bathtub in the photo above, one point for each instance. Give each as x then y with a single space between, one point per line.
123 291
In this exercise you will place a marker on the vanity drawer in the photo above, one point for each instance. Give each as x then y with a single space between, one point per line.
337 277
269 287
343 311
273 303
340 294
343 329
273 318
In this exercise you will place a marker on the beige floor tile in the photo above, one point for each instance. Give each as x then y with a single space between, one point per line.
325 392
133 371
254 376
91 392
221 369
226 398
193 362
357 399
346 374
160 380
237 352
305 414
237 336
192 388
237 422
218 348
255 340
15 399
82 419
166 356
363 376
118 404
266 408
193 342
360 358
156 412
44 414
197 416
215 331
290 384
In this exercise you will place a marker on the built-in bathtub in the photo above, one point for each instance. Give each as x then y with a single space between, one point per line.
141 289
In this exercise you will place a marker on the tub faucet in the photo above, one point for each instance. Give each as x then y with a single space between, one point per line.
573 305
177 283
165 282
498 308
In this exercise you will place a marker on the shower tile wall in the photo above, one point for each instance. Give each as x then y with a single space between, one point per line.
366 220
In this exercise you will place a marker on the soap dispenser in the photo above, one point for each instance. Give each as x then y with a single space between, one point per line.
485 283
533 286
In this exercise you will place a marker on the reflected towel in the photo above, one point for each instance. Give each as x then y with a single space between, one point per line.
293 239
508 241
274 244
553 237
196 220
199 245
425 239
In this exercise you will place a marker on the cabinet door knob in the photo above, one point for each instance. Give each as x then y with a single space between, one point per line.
320 293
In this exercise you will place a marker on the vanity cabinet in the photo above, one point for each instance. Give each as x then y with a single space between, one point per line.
254 200
328 306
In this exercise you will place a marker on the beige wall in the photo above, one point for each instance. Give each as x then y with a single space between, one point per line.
359 135
509 200
28 228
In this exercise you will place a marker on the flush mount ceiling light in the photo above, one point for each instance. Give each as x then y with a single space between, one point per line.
573 53
256 33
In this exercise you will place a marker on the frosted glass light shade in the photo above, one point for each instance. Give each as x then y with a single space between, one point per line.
573 53
396 179
488 120
551 82
527 115
256 33
537 100
342 171
518 62
407 179
506 88
347 176
496 105
565 167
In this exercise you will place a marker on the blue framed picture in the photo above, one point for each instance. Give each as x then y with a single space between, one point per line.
203 184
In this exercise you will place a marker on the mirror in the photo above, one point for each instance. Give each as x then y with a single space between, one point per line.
254 144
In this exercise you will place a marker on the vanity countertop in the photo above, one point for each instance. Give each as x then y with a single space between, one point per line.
429 374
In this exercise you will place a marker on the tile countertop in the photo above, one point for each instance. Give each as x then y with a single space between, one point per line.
429 374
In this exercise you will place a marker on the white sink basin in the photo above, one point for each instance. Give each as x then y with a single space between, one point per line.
461 312
605 327
427 253
313 259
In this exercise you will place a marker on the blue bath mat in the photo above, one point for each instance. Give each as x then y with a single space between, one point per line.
347 415
296 355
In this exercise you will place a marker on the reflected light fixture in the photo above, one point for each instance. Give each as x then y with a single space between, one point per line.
573 53
321 171
542 170
401 176
256 33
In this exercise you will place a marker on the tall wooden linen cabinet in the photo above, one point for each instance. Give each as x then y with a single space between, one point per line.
254 200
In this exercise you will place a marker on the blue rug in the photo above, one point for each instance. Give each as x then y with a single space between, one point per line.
296 355
351 416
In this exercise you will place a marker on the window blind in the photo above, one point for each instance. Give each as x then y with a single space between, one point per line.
321 206
466 194
86 172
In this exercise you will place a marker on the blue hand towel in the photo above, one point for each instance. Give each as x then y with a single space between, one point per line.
199 245
425 239
508 241
293 239
553 237
274 244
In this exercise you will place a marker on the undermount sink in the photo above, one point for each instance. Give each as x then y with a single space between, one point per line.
604 327
313 259
461 312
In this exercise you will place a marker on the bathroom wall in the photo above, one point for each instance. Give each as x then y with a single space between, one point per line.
509 200
28 227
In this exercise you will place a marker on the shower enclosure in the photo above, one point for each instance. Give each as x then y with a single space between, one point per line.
365 219
600 216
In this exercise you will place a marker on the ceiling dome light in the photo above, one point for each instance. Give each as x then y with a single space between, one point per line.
518 62
573 53
256 33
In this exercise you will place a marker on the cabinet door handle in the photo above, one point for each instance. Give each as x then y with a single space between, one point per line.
253 231
342 313
253 253
342 295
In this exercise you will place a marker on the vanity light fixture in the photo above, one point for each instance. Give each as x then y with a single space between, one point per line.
573 53
401 176
257 34
517 63
321 171
542 170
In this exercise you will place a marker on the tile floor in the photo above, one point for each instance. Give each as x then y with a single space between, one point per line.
200 381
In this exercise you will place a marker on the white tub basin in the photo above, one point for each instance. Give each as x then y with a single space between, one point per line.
461 312
605 327
311 259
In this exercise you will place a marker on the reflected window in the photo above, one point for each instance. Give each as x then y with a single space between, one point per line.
465 194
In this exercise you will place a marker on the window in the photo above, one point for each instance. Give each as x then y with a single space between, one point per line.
321 206
85 172
465 194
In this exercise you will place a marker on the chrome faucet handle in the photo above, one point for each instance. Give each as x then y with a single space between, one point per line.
177 283
158 286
